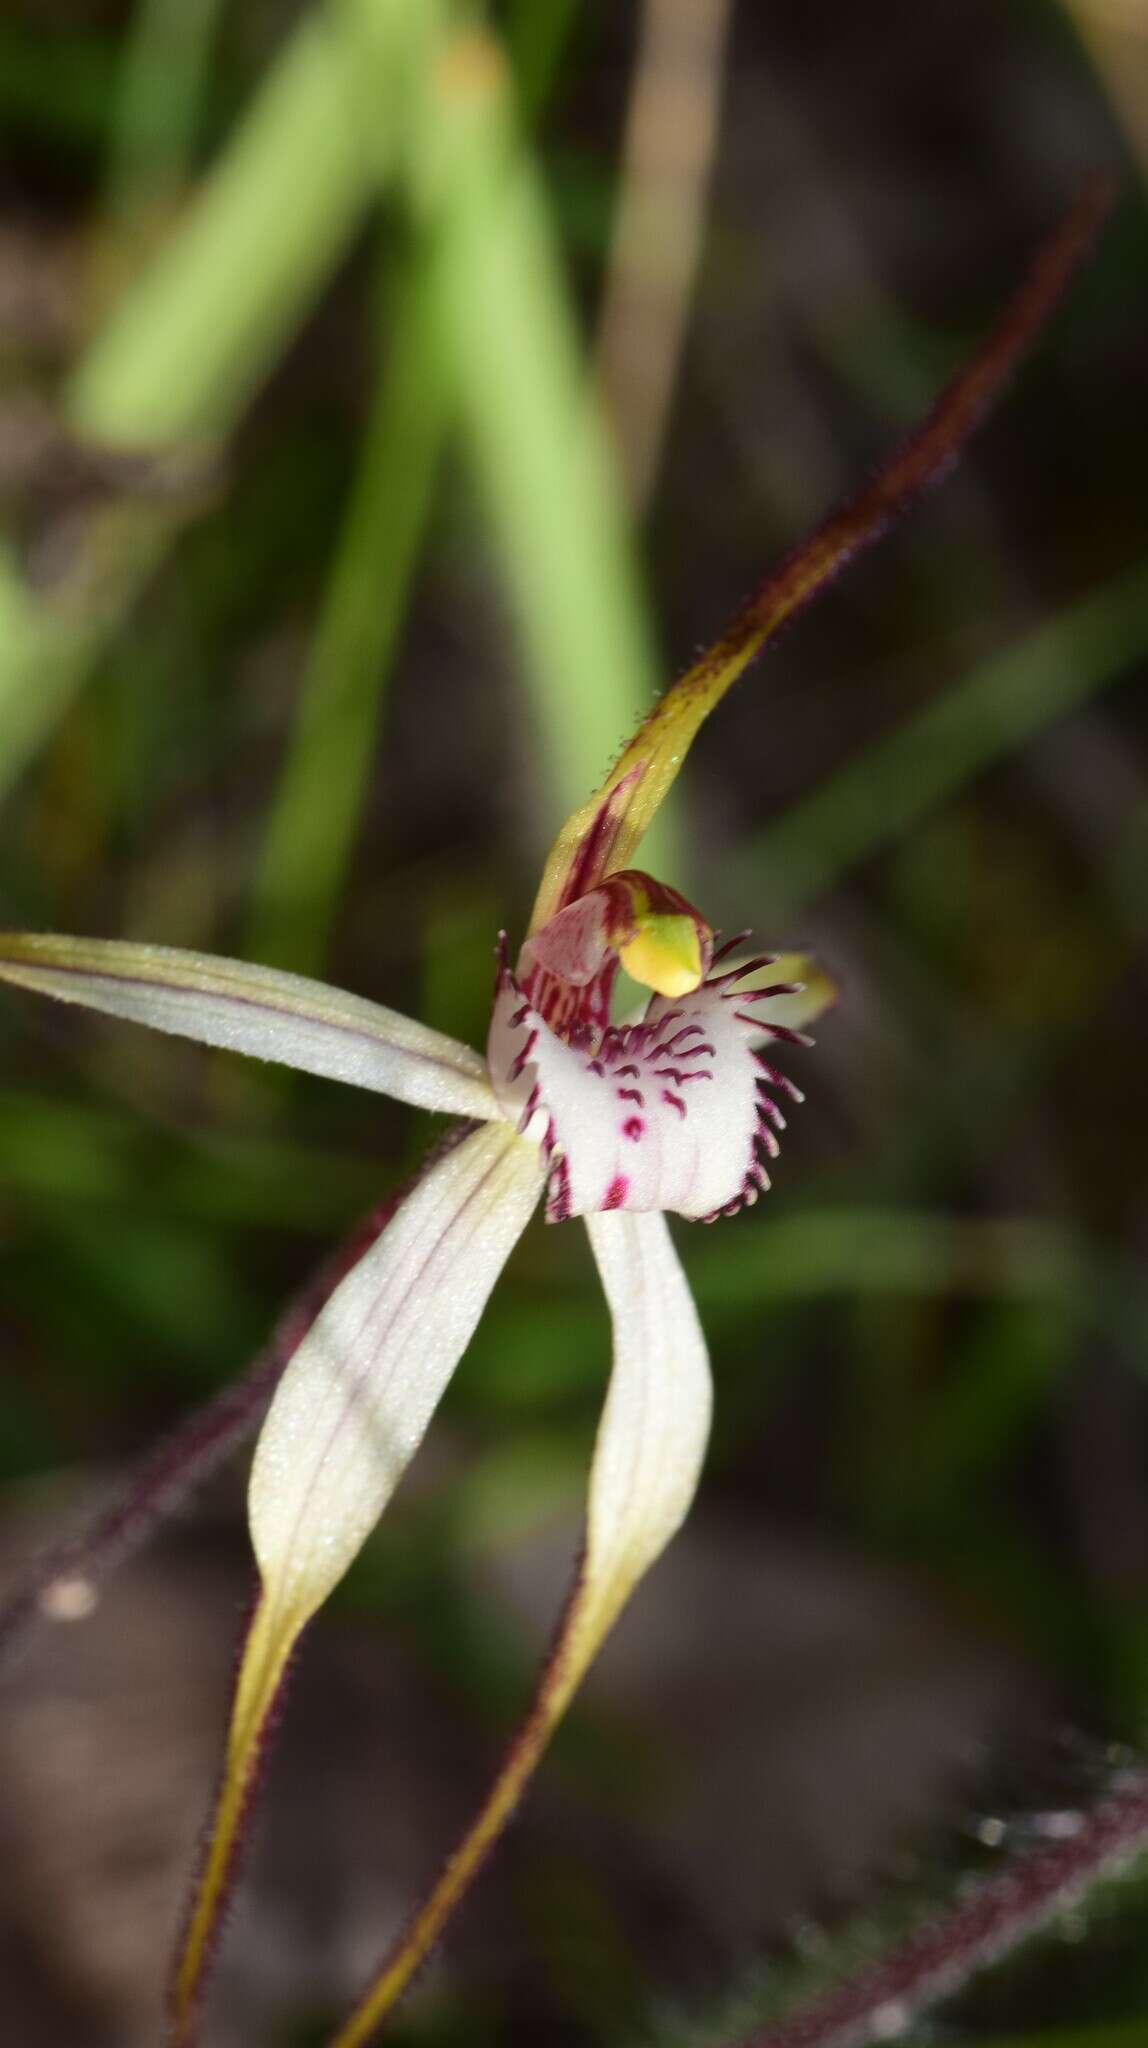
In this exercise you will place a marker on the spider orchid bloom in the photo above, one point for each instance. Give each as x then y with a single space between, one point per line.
618 1121
673 1110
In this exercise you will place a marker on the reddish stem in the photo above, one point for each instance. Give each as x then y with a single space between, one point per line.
927 453
879 2000
186 2011
167 1475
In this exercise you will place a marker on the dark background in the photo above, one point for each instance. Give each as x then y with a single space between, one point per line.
906 1625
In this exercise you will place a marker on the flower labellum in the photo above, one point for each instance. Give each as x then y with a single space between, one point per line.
620 1120
672 1111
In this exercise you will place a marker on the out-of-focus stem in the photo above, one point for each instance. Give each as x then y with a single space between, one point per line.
263 1664
584 1624
880 2001
65 1581
667 157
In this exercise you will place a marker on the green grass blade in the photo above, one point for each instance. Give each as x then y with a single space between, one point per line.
191 340
46 649
188 344
536 440
319 799
162 78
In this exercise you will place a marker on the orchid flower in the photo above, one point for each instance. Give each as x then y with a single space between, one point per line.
675 1109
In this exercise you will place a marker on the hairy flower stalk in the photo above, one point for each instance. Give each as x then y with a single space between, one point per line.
617 1120
880 2000
66 1579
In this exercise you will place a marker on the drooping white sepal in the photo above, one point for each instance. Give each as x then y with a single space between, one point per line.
356 1398
256 1010
655 1425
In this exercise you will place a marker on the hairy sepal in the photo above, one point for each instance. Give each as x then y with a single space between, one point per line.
347 1417
604 834
647 1460
355 1400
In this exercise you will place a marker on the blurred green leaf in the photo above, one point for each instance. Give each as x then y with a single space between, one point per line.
536 438
317 804
163 74
320 795
63 86
191 339
81 1153
183 350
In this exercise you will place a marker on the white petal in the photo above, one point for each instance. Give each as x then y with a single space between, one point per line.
669 1113
655 1426
650 1448
256 1010
353 1404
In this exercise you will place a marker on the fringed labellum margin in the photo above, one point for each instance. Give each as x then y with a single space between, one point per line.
675 1110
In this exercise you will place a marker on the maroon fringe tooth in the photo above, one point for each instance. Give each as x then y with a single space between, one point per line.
182 1462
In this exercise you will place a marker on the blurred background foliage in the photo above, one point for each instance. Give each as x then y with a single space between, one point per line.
392 398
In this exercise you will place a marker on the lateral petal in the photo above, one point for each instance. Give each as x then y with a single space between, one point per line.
353 1404
651 1443
347 1417
655 1425
256 1010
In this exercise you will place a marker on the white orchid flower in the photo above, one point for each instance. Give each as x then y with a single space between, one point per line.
672 1111
675 1110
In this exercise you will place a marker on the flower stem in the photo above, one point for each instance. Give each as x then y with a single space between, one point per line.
585 1621
65 1578
265 1657
883 1997
926 454
271 1636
